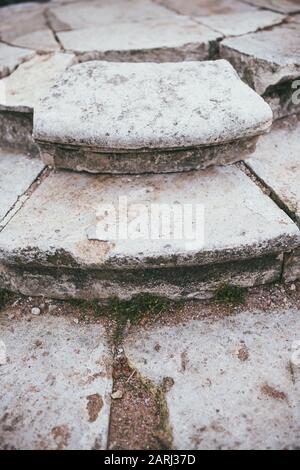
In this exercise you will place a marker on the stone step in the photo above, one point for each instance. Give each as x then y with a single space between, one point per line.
138 118
20 92
86 236
17 174
269 61
276 163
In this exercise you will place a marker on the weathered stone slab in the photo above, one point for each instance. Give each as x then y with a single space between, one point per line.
232 383
165 40
282 6
244 236
21 91
276 163
56 386
11 57
17 173
205 7
228 17
25 25
268 61
126 115
239 23
93 14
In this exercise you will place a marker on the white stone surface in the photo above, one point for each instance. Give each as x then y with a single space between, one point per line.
276 163
205 7
150 40
66 227
282 6
56 385
95 13
25 25
220 398
236 24
266 58
17 173
126 106
11 57
32 80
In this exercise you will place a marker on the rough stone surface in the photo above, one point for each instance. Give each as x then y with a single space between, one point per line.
292 267
236 24
244 235
25 25
165 40
17 173
93 14
276 163
32 80
282 6
19 94
205 7
56 385
11 57
235 385
127 108
268 61
266 58
228 17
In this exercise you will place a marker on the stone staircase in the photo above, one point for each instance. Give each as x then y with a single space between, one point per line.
142 102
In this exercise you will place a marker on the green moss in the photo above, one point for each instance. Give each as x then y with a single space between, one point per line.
230 295
5 297
88 305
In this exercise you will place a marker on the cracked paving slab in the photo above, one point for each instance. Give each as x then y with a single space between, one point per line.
55 385
269 61
25 25
232 382
154 117
10 58
228 17
159 40
96 13
282 6
245 235
276 163
17 174
20 93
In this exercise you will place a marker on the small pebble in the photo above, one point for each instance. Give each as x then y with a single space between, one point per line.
293 287
35 311
75 320
117 395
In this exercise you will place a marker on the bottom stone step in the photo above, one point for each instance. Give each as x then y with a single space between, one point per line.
177 235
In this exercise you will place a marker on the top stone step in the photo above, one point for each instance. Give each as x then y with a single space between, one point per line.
146 117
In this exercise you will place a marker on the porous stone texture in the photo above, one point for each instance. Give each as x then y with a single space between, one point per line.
232 381
56 385
25 25
228 17
17 173
159 40
282 6
276 163
292 266
58 244
132 111
20 93
96 13
269 61
11 57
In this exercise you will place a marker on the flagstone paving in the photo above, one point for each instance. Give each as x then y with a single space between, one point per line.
230 383
55 385
269 61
